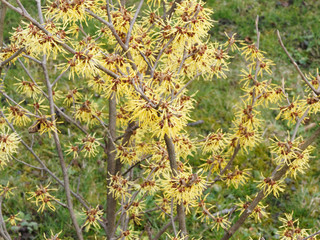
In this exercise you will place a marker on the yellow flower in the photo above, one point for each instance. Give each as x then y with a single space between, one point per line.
251 52
214 142
97 83
93 217
222 222
13 219
177 237
18 116
236 177
8 51
314 80
293 111
285 151
246 136
164 205
290 228
127 154
214 163
119 186
72 97
129 234
149 186
8 144
264 65
288 220
52 236
268 185
73 149
313 103
300 162
184 146
70 13
247 77
232 42
87 112
258 212
183 187
43 125
6 191
27 88
3 123
38 106
203 209
57 94
89 145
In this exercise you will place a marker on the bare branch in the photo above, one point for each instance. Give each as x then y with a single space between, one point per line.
3 230
133 22
296 65
60 153
312 235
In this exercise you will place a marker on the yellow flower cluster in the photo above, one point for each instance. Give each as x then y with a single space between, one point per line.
89 145
88 112
147 67
43 198
93 216
7 51
8 146
119 186
70 12
288 152
268 185
290 228
18 116
214 163
183 188
236 177
30 89
135 211
72 97
293 111
214 142
127 154
258 213
43 125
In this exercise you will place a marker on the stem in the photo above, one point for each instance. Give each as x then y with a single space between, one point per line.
312 235
3 9
60 153
296 65
3 230
164 229
174 168
111 168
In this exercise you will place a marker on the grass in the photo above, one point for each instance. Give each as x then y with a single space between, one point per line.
298 23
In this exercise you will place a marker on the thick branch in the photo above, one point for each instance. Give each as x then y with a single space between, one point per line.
111 168
174 168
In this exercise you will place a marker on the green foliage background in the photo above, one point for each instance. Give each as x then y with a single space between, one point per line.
298 22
